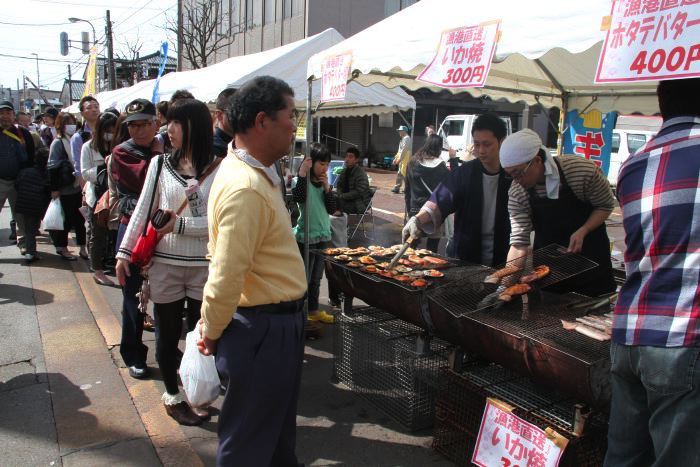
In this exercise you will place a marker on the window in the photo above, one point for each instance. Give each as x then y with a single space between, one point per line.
615 143
635 141
453 128
391 7
270 7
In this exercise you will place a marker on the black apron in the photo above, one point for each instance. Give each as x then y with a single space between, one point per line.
555 220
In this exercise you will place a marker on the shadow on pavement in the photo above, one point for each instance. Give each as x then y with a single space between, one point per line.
10 293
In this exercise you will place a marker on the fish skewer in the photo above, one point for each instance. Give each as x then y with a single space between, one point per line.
496 277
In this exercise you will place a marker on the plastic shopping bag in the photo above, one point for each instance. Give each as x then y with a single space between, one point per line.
198 373
53 219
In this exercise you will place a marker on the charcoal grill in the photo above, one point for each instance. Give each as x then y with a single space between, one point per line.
403 301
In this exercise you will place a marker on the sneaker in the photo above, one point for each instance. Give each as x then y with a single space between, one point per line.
325 317
30 258
138 372
183 414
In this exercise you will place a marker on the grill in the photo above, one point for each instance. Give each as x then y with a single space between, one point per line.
466 295
462 398
387 362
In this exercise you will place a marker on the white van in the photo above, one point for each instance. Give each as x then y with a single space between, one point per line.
631 133
456 130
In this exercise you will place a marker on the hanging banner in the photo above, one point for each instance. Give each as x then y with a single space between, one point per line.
507 440
91 74
589 135
301 127
335 70
163 61
651 40
463 58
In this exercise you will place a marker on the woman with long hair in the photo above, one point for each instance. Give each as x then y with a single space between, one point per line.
64 183
178 180
93 169
425 172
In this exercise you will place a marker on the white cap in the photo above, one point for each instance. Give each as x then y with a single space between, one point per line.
519 148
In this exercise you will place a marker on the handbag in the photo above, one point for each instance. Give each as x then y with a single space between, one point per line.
102 209
145 247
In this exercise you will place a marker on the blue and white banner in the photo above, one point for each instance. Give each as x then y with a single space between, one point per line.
590 135
163 61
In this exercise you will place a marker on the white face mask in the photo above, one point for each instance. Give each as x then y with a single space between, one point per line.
70 130
108 136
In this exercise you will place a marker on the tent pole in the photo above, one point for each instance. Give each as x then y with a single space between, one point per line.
309 139
562 119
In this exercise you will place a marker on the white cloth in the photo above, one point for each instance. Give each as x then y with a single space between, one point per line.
90 160
521 147
270 171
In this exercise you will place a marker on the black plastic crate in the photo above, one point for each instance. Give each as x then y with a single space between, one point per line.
462 399
389 362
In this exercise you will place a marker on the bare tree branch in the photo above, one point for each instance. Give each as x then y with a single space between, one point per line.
128 55
200 38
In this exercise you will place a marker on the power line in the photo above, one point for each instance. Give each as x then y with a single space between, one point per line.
149 19
40 59
101 5
132 14
33 24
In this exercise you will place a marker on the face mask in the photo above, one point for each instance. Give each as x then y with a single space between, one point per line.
108 136
70 130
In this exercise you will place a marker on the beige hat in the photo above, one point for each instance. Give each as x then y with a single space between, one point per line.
519 148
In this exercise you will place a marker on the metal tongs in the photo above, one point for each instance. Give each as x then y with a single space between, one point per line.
398 255
594 303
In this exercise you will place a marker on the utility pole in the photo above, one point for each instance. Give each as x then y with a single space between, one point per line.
179 35
18 99
70 88
110 55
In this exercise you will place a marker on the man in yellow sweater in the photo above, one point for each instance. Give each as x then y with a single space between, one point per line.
252 308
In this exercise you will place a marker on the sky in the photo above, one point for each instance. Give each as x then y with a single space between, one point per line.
34 26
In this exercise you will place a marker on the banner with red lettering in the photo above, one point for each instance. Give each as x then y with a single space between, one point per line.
335 71
507 440
463 58
651 40
590 135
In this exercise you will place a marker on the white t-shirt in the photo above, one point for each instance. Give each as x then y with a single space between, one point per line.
488 216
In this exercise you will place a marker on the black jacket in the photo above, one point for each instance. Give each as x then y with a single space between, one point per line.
221 142
421 181
32 192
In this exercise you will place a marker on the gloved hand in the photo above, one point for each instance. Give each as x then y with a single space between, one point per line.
411 229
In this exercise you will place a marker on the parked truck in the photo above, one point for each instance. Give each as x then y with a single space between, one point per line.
456 132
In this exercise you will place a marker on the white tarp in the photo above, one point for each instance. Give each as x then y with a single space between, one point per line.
547 49
287 62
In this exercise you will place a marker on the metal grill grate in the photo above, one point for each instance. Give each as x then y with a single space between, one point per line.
383 361
571 343
461 401
463 296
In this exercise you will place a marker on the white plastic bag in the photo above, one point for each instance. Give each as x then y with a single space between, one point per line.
53 219
198 373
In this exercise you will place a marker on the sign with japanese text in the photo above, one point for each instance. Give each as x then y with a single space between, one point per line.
335 70
590 135
651 40
463 58
505 440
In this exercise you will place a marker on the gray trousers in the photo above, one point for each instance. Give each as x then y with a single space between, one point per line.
27 241
8 193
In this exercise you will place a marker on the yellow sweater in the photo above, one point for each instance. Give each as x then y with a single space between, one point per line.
254 256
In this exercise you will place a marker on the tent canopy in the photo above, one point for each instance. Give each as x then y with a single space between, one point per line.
546 54
287 62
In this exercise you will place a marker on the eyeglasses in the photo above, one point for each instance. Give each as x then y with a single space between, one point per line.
517 175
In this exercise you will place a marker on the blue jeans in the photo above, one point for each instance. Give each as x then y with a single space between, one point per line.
655 410
132 348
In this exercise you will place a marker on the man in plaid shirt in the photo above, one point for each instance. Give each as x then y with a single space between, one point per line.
655 369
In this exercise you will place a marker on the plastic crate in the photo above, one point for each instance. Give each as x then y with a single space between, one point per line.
385 360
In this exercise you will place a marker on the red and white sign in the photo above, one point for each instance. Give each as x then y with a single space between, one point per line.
464 56
651 40
505 440
334 72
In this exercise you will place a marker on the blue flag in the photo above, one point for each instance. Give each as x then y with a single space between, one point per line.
590 135
163 60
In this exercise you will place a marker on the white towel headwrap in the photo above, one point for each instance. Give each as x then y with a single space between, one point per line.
520 148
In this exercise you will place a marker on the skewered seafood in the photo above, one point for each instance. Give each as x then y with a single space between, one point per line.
416 259
585 330
537 273
513 291
434 262
496 277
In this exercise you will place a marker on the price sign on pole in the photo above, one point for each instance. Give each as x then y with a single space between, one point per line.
463 58
335 70
651 40
507 440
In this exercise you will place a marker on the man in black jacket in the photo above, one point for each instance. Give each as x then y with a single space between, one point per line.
477 192
353 185
16 153
223 134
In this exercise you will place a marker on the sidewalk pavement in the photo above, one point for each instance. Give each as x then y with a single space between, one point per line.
66 398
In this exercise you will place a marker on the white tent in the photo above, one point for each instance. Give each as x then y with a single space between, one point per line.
287 62
548 52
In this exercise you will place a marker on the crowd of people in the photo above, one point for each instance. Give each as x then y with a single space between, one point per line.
185 205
